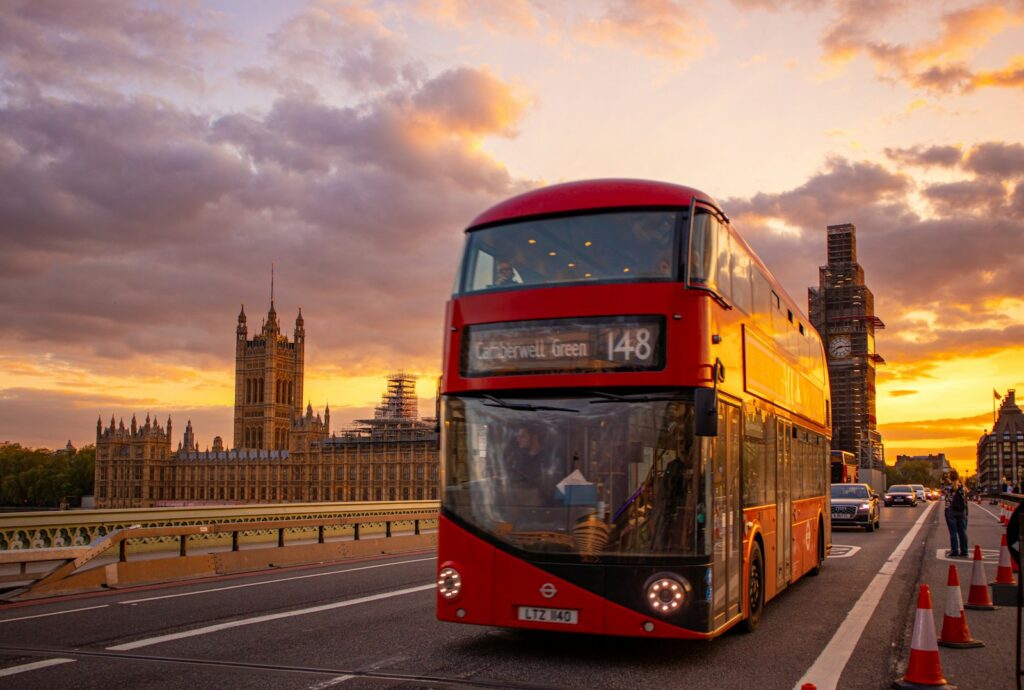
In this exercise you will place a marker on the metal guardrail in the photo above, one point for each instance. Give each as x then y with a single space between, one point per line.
69 567
49 529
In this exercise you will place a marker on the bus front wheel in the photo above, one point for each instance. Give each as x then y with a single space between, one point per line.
755 590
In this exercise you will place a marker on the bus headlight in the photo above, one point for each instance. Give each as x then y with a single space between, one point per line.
666 593
449 583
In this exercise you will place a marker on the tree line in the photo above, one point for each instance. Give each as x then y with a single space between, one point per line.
42 478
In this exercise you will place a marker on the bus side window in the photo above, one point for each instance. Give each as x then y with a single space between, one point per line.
724 260
762 299
741 289
702 250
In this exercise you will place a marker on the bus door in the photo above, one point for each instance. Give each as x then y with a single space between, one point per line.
727 523
783 504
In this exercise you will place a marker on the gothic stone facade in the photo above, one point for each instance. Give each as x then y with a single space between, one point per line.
280 455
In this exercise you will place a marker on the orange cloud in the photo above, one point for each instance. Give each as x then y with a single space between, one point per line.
662 29
941 64
1010 77
497 16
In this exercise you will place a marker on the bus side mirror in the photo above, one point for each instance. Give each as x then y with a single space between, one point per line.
705 412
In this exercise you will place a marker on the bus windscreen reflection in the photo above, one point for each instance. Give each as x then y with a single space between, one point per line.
584 476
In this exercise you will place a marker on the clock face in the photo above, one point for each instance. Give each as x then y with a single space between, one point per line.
839 346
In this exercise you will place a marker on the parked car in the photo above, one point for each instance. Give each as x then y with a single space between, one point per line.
901 494
855 505
919 491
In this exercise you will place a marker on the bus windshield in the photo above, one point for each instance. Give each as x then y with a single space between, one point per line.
602 247
598 475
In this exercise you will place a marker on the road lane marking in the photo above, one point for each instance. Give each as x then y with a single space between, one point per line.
146 642
15 670
843 551
833 659
271 582
54 613
987 555
991 514
330 682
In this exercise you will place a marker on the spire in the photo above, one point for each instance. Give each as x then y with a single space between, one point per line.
299 321
241 315
271 286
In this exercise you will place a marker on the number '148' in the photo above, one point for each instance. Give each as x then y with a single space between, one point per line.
634 342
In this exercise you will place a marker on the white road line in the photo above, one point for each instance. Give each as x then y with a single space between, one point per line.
988 511
271 582
15 670
833 659
330 682
265 618
55 613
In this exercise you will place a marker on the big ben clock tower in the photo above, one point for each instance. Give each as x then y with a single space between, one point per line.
842 308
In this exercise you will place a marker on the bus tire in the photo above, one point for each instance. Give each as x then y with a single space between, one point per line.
816 570
755 590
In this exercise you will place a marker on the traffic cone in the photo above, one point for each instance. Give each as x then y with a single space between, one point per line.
1002 514
1004 574
954 622
978 596
923 669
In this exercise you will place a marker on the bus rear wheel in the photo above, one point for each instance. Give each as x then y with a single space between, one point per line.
820 560
755 591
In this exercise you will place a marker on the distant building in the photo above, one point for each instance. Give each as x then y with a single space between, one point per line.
1000 455
842 308
281 454
938 462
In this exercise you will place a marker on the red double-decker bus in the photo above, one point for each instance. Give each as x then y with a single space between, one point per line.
635 419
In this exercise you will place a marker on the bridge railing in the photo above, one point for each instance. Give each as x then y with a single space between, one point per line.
337 531
50 529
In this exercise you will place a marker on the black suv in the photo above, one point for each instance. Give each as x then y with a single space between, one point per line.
855 505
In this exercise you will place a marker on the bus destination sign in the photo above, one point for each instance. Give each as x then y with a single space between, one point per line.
576 345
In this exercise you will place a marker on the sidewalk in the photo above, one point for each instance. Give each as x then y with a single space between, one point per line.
993 666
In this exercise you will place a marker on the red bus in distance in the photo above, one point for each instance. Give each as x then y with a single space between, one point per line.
634 419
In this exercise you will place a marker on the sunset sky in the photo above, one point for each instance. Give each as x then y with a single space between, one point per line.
157 157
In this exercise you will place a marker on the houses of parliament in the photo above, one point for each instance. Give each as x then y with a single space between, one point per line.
279 453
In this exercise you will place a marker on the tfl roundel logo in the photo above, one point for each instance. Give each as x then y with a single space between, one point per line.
548 590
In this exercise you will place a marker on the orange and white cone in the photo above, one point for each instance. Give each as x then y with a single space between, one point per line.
954 622
978 596
1002 514
923 669
1004 574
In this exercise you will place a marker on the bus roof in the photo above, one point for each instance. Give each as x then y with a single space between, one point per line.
590 194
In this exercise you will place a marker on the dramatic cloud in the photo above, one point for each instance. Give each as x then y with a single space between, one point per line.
331 40
667 30
940 65
997 159
960 266
931 156
40 41
131 227
516 15
663 29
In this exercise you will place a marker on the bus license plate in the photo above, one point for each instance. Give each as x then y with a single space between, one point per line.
541 615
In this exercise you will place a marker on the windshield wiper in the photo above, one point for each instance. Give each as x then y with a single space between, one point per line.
526 407
613 398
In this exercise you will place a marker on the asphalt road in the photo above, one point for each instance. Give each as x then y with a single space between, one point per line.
370 624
